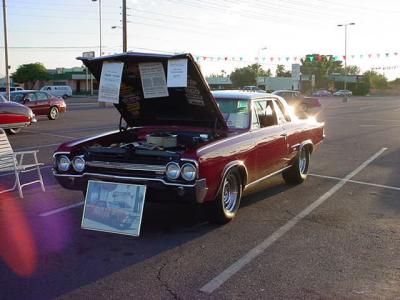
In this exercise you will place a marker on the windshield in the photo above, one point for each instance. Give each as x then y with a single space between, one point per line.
16 97
235 112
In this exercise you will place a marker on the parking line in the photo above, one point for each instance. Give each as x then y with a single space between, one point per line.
358 182
220 279
61 209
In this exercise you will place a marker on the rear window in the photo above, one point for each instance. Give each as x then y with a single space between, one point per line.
235 112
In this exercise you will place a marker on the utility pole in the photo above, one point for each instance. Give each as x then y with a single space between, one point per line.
100 50
124 28
6 49
345 52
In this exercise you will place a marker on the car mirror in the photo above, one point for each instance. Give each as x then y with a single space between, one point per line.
26 100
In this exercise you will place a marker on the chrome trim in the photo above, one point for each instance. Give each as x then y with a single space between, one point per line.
265 177
60 153
125 166
121 177
229 166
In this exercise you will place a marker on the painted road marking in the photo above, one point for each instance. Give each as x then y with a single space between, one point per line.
61 209
220 279
367 107
359 182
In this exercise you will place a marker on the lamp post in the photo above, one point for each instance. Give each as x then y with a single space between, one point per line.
345 50
6 49
259 58
100 50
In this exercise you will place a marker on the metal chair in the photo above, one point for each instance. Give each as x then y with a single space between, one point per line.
13 161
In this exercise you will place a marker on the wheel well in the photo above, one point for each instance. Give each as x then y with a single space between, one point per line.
242 173
309 147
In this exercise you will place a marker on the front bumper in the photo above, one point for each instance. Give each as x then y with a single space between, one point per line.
158 190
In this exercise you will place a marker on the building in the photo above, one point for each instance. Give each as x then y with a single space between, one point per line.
219 82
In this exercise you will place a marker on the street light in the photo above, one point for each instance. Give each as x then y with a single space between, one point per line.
99 23
345 50
6 49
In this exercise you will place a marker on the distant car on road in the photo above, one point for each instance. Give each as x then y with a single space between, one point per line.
41 103
12 89
343 93
298 101
14 116
322 93
63 91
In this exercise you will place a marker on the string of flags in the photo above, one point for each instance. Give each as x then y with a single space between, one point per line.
278 59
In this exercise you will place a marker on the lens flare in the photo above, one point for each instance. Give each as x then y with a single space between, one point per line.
17 245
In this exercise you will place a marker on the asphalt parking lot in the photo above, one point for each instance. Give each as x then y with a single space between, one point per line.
335 236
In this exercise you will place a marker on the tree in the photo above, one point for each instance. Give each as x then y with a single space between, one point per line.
281 72
376 80
352 70
247 75
30 73
320 66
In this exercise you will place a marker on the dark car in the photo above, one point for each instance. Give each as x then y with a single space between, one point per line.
322 93
188 144
14 116
41 103
297 100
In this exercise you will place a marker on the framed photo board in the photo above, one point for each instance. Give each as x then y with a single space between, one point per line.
114 207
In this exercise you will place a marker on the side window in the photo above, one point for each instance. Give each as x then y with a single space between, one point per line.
283 110
41 96
279 114
31 96
266 113
254 118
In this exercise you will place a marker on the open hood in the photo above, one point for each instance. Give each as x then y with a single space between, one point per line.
192 105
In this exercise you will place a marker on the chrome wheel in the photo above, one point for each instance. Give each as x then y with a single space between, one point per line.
303 162
53 114
230 193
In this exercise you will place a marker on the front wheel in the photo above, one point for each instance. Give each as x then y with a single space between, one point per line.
297 173
53 113
13 130
224 208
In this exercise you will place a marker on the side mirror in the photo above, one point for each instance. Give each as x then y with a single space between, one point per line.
26 100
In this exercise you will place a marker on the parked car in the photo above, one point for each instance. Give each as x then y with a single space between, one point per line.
41 103
192 145
12 89
322 93
14 116
299 102
343 93
63 91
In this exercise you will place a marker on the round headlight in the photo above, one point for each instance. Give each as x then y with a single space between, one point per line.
78 163
188 172
173 171
63 163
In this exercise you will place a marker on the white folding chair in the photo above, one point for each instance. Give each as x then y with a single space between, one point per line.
14 162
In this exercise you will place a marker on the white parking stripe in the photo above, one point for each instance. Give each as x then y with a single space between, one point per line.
359 182
64 208
220 279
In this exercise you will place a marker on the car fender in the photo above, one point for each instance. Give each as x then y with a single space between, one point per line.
242 170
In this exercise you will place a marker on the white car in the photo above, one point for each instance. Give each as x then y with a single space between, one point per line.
343 93
64 91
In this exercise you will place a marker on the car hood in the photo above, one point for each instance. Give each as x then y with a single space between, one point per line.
193 105
15 108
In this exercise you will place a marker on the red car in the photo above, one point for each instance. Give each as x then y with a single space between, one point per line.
299 102
14 116
41 103
190 145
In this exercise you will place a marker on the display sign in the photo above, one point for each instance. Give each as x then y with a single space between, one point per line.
89 54
114 207
153 80
110 82
296 72
177 72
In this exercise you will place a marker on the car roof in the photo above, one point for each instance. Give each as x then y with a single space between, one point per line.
239 94
24 91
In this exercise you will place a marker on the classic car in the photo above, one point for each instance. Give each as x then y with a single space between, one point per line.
299 102
190 145
14 116
41 103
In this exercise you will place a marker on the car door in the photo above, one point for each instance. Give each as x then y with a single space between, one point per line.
43 103
31 101
269 138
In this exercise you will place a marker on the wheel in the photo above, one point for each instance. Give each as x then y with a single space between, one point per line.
297 173
227 203
53 113
13 130
65 96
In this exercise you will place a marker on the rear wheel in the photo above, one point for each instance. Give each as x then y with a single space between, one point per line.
53 113
297 173
13 130
227 203
65 96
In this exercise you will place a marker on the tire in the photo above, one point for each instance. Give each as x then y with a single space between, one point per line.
65 96
297 173
13 130
53 113
225 206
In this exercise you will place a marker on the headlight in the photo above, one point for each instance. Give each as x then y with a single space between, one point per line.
173 171
63 163
78 163
188 172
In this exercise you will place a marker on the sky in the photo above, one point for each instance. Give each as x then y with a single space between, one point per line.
229 34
